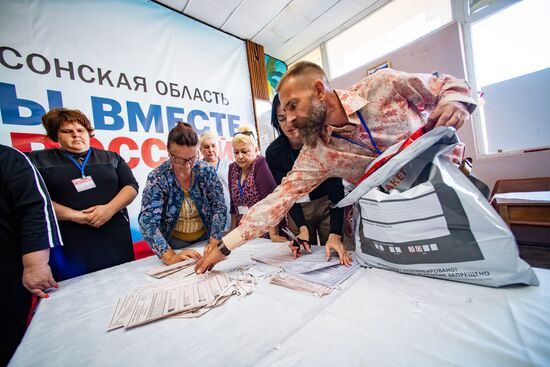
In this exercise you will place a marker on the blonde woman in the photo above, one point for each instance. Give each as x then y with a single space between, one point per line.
250 179
209 148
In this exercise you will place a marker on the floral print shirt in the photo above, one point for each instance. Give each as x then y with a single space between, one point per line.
390 118
259 183
163 197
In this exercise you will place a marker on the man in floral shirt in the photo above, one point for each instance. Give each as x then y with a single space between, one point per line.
344 131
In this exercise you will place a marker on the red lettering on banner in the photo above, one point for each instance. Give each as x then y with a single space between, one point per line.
226 148
146 152
116 143
23 141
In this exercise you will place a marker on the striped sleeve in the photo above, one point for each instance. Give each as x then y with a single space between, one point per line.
35 215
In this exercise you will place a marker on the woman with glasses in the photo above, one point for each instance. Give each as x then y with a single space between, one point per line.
209 145
90 189
250 180
183 201
312 215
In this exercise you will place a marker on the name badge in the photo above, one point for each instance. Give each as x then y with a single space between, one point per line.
84 183
242 210
303 199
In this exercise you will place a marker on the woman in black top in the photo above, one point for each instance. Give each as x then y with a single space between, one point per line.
312 215
90 189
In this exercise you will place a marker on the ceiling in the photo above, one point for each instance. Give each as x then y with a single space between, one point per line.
288 29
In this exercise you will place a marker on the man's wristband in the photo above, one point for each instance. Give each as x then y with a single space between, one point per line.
224 250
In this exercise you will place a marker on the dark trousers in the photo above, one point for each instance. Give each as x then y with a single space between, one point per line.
14 310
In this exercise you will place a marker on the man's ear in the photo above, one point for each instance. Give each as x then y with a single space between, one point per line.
319 88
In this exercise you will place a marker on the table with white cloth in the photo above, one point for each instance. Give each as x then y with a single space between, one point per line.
376 318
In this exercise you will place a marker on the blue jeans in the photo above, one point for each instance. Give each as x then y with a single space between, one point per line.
179 244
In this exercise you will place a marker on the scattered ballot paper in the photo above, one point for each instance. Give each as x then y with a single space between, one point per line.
310 268
292 282
189 297
164 270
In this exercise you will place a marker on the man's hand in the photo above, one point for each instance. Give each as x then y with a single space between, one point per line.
212 256
414 91
277 238
98 215
448 114
171 257
37 275
334 242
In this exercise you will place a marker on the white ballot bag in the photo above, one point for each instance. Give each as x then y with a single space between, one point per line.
418 214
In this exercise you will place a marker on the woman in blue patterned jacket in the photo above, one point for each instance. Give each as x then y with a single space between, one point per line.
183 200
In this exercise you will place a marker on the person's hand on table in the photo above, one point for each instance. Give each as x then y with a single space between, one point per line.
212 256
212 242
38 278
171 257
98 215
334 242
451 114
277 238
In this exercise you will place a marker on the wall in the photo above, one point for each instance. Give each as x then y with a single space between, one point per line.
442 51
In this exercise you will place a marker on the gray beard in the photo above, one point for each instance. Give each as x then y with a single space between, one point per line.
310 128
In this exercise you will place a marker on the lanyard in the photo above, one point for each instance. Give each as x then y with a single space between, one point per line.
375 150
218 165
241 187
78 165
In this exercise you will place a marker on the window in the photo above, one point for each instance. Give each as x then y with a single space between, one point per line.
313 56
387 29
512 74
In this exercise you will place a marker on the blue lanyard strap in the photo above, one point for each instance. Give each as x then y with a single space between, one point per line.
78 165
218 165
241 187
368 132
375 150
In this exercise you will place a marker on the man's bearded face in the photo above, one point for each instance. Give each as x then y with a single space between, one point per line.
311 126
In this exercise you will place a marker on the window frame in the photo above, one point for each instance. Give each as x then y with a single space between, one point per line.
462 15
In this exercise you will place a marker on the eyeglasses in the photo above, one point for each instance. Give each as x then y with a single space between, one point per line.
247 133
181 161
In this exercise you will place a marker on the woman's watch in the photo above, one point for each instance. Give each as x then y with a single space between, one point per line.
224 250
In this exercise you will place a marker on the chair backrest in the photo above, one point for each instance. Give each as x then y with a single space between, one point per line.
521 185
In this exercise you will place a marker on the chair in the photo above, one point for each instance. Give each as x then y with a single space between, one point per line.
521 185
528 220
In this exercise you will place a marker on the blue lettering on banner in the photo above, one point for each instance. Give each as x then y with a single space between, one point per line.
100 114
135 112
107 114
171 118
10 106
191 120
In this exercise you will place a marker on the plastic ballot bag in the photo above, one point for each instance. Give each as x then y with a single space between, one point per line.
416 213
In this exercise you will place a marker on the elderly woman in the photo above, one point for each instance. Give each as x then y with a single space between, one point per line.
249 179
312 215
90 189
182 201
209 147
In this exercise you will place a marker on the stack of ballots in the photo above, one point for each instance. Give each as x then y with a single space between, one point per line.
310 267
185 295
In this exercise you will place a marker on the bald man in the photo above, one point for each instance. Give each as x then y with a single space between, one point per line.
344 131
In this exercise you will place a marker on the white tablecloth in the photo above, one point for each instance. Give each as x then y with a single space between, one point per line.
378 318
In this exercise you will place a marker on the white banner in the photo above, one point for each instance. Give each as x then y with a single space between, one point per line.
134 67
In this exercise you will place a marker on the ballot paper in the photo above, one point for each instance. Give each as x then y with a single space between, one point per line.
278 257
292 282
331 276
282 257
164 270
190 296
310 267
310 262
148 304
